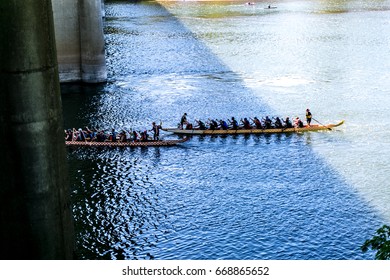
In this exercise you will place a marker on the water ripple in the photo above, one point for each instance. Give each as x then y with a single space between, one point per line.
240 197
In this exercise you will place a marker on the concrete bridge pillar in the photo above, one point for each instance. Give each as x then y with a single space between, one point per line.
93 61
35 210
80 40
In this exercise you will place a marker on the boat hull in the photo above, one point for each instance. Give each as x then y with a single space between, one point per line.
251 131
160 143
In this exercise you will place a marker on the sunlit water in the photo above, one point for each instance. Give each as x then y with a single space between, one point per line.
302 196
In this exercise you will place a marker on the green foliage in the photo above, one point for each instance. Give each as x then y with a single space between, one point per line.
380 242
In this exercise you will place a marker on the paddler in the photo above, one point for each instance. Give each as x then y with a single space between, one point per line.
234 123
223 124
308 117
183 120
201 125
257 123
156 131
287 123
246 123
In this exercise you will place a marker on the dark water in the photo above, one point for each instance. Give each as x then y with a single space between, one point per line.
242 197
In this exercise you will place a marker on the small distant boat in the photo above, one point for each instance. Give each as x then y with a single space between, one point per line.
270 7
313 127
150 143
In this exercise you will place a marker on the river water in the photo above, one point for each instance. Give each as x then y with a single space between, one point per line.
304 196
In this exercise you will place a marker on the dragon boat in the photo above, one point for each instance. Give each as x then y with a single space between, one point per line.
313 127
150 143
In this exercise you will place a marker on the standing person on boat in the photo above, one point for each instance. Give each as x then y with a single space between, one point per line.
308 117
156 131
183 120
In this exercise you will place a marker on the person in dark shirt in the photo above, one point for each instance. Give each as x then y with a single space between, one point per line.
101 137
234 123
268 122
201 125
308 117
257 123
278 123
156 131
287 123
183 120
246 123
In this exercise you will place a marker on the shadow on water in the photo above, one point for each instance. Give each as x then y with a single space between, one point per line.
239 197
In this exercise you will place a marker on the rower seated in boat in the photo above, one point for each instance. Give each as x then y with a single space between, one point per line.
278 123
287 123
213 125
201 125
79 135
257 123
234 123
136 137
89 134
144 136
113 136
298 122
68 135
267 122
101 136
122 136
189 126
246 123
223 125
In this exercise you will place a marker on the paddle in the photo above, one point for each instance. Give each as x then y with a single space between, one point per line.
321 123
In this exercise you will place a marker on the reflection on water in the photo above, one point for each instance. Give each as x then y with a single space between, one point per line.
239 197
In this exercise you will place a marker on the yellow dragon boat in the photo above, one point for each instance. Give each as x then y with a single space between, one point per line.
313 127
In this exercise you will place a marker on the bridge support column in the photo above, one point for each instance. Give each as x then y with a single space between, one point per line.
93 61
80 40
35 210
